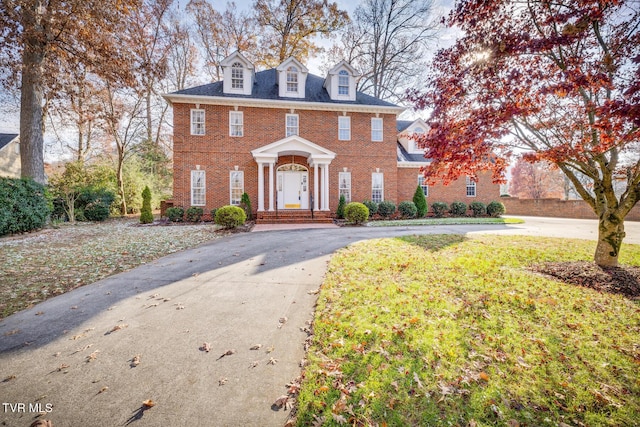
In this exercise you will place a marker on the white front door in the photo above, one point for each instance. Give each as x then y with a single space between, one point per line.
293 190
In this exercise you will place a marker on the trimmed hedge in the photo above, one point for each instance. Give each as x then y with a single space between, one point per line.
175 213
356 213
371 206
230 216
496 209
407 209
439 209
24 205
458 209
478 208
194 214
386 208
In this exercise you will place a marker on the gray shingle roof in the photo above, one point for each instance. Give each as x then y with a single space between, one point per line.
6 138
403 124
405 156
265 86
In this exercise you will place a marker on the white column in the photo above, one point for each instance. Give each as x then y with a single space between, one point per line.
316 178
271 196
260 186
325 192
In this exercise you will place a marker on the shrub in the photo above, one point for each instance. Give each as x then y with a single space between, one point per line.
478 208
213 213
440 208
341 204
175 213
356 213
194 214
386 208
372 206
496 209
245 204
24 205
98 206
420 202
230 216
458 209
407 209
146 216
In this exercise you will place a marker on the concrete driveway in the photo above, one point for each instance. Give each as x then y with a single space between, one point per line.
93 355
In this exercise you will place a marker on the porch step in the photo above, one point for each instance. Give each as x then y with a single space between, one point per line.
293 217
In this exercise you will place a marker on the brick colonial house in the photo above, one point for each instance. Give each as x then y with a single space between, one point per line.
294 142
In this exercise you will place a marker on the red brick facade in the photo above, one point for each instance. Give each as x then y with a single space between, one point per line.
218 154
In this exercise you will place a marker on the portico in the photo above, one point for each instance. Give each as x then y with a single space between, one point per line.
292 190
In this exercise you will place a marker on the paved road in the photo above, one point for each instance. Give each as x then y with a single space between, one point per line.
72 355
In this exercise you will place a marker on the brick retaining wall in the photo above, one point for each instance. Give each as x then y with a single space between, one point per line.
557 208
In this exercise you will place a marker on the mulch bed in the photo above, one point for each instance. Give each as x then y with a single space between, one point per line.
623 280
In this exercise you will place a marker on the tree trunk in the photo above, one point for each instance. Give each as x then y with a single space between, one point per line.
610 235
31 120
120 180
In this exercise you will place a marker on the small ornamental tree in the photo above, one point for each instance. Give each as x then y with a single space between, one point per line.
421 202
146 216
245 204
341 204
557 79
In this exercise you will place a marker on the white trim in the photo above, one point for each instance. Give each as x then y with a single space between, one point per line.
276 103
347 120
412 165
203 188
286 125
347 187
381 130
232 124
231 188
471 184
192 123
381 188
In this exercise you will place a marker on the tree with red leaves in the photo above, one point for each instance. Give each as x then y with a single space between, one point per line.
558 80
538 180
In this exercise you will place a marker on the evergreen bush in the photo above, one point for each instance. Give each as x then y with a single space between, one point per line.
245 204
496 209
439 209
230 216
356 213
175 213
341 205
146 215
194 214
24 205
458 209
94 205
478 208
371 206
407 209
420 202
386 208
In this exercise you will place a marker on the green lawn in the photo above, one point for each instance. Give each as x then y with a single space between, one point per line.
445 330
444 221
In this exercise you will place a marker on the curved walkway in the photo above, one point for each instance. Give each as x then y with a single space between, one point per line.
93 355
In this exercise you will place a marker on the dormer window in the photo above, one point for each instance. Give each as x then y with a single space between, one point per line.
343 83
292 79
237 76
413 147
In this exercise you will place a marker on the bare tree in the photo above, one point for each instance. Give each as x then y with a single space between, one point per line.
387 43
288 27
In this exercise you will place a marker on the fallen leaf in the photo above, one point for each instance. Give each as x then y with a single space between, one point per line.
416 378
270 349
92 356
272 361
148 403
484 376
227 353
117 328
205 347
282 321
62 367
103 389
222 381
253 364
314 291
39 313
135 361
9 378
256 347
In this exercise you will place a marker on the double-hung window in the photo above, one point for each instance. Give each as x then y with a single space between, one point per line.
423 185
344 128
197 122
471 187
292 124
344 180
376 129
236 186
236 123
237 76
377 187
292 80
198 188
343 83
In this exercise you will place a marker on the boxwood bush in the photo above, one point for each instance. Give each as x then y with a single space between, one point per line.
230 216
407 209
420 202
371 206
24 205
386 208
194 214
175 213
356 213
458 209
496 209
478 208
439 209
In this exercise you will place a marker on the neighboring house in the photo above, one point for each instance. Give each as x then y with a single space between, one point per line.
9 155
294 142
